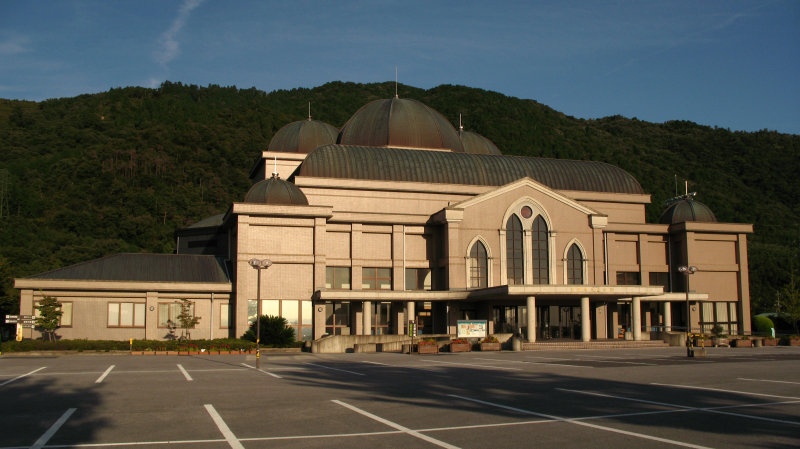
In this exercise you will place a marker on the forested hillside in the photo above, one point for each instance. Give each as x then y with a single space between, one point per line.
121 170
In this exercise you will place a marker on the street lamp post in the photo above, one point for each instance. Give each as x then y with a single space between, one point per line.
259 264
687 271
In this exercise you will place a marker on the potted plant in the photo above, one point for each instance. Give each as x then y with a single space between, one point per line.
427 346
490 343
719 338
460 345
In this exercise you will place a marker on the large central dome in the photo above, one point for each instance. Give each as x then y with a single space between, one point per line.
400 123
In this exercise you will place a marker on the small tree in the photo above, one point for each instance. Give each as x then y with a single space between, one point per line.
186 318
790 301
49 318
274 331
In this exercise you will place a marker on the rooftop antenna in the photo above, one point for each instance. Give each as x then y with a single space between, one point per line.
309 111
460 126
676 183
395 82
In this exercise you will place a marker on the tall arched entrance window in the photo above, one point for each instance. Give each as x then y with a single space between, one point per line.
541 264
478 266
514 270
574 265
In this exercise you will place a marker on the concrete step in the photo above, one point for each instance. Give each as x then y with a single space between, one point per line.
611 344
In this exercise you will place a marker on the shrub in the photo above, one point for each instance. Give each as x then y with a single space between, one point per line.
427 341
274 332
459 340
490 339
763 325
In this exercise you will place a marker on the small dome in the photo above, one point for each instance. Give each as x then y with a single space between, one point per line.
475 143
687 209
400 123
275 190
302 136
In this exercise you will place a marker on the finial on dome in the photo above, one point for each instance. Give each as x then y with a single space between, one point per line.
275 170
309 111
460 126
395 82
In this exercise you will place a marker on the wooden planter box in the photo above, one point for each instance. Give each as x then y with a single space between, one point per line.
428 349
460 347
490 346
741 343
720 341
770 342
793 341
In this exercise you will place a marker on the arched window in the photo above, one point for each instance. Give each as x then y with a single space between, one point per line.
478 266
514 251
541 264
574 265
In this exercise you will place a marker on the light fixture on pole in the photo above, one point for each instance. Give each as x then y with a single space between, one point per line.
259 264
688 270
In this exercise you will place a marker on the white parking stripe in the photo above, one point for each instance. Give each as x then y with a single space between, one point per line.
185 374
261 370
699 409
21 376
226 431
473 365
767 380
394 425
103 376
335 369
581 423
690 387
53 429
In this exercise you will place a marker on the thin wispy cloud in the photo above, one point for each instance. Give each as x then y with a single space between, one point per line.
170 47
14 45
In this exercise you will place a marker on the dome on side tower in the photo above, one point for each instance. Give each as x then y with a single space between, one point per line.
275 190
302 136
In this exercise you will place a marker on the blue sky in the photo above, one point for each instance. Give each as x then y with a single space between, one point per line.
733 64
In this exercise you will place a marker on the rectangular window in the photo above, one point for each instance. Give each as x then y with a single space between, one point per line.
66 313
418 279
337 278
337 318
168 314
382 318
126 314
627 278
224 316
376 278
660 278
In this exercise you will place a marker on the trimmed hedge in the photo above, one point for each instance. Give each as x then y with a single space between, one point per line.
223 344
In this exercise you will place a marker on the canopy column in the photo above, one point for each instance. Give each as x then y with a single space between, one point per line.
667 317
636 311
367 318
586 327
531 304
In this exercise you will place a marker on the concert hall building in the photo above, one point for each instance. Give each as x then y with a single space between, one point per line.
399 216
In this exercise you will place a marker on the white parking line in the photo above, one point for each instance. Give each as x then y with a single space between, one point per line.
103 376
767 380
335 369
262 371
691 387
53 429
21 376
537 363
223 428
185 373
699 409
394 425
475 366
581 423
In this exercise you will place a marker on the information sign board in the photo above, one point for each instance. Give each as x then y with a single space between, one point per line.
472 328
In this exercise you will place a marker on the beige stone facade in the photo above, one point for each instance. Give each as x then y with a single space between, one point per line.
564 259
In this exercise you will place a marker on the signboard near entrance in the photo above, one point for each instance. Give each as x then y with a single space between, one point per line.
472 328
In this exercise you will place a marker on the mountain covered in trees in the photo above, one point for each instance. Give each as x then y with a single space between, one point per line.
120 171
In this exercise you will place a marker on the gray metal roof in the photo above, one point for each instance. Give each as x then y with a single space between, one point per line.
475 143
687 209
444 167
302 136
275 190
400 122
144 268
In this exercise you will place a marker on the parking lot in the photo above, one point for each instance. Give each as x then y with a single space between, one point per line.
745 397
